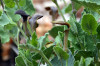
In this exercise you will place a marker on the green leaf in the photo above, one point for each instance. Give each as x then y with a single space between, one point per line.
98 45
59 39
4 35
4 20
69 7
88 61
70 59
9 3
85 62
47 54
58 62
85 54
34 63
19 61
82 62
98 32
29 47
1 12
76 63
42 40
28 55
60 53
11 13
22 2
92 4
89 42
28 8
89 24
73 27
34 40
54 31
89 11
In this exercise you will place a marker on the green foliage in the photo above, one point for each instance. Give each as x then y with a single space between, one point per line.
98 32
83 37
4 35
58 62
34 41
11 13
91 4
28 7
89 24
83 62
69 7
9 3
60 53
71 59
73 25
22 2
42 40
54 31
18 63
4 20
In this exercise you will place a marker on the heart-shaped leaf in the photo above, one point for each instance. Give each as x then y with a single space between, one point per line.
89 24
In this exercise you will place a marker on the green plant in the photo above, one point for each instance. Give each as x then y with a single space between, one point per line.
76 43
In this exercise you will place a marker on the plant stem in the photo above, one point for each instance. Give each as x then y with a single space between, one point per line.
2 4
18 36
22 32
31 48
45 58
66 40
29 28
60 12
